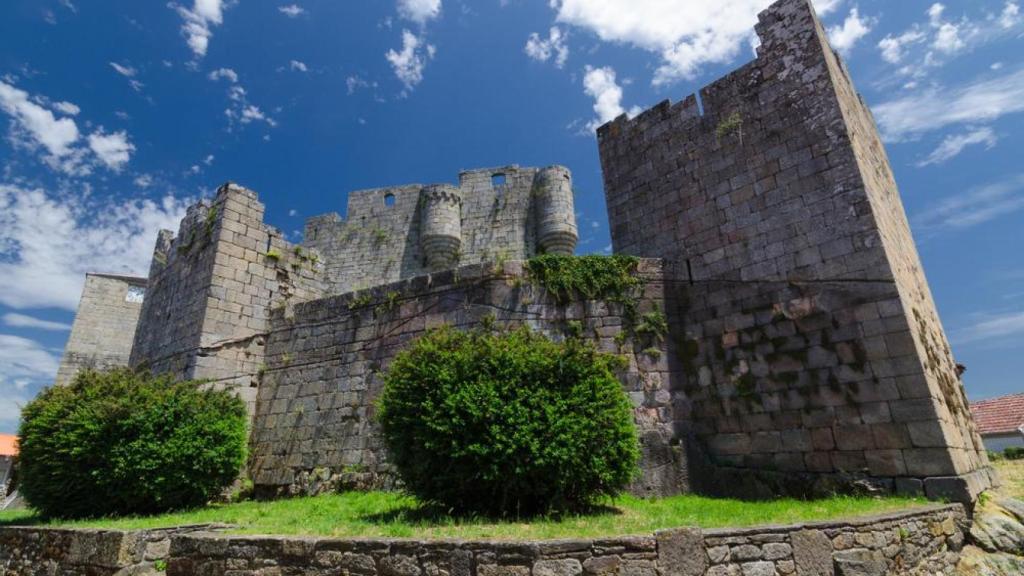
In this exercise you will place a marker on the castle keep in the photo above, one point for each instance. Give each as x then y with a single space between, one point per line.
804 352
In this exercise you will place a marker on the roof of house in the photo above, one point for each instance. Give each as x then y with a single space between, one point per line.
8 445
1000 415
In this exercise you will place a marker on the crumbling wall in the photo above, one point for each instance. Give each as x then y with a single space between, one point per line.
212 288
101 336
802 344
314 428
379 241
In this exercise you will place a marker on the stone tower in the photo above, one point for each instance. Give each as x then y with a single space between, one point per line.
441 225
556 220
808 341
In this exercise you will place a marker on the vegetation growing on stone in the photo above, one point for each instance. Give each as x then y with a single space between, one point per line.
507 423
591 277
122 442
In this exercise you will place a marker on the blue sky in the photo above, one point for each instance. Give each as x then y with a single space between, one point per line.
116 115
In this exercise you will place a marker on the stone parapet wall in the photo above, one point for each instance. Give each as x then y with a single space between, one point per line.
387 232
314 428
925 541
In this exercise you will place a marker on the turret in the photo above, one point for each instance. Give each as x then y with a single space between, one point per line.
556 219
441 225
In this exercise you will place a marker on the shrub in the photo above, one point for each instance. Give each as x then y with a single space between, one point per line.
1014 453
120 442
507 423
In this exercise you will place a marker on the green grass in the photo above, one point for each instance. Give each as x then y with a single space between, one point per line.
397 515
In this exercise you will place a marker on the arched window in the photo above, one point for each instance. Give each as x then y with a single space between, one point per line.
389 199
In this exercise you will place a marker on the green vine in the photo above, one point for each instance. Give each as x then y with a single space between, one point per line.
568 278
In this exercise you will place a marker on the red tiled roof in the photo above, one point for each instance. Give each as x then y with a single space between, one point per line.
999 415
8 445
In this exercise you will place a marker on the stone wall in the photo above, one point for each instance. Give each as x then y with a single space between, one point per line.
380 241
101 336
809 343
314 427
920 542
29 551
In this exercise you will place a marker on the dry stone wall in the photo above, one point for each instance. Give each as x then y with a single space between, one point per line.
810 344
924 542
101 336
314 428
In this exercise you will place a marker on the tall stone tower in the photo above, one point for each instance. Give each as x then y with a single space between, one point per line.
808 340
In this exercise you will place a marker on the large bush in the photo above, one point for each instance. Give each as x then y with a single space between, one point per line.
507 423
121 442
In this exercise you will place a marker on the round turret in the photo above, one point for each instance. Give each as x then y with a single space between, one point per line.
441 225
556 218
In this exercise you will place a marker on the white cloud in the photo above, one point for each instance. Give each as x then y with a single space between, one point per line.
824 7
705 32
293 212
409 63
947 39
66 108
199 21
600 84
143 181
291 10
893 47
225 74
974 207
295 65
844 37
48 241
209 159
419 11
113 150
353 83
935 14
57 136
979 102
954 144
992 326
124 70
1010 16
16 320
543 49
24 358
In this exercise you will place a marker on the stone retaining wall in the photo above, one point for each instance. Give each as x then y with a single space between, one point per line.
925 541
58 551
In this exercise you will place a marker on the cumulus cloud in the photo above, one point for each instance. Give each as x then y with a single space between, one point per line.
56 135
419 11
408 63
199 22
291 10
223 74
298 66
976 206
16 320
543 49
953 144
843 37
601 85
893 47
825 7
113 150
1010 16
975 103
49 240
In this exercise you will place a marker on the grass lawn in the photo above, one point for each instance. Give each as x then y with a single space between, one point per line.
397 515
1011 472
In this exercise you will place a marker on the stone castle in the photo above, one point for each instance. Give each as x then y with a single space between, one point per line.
804 352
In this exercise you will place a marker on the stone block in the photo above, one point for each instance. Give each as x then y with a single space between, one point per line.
681 552
812 553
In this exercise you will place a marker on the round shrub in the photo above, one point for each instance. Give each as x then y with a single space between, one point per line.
121 442
507 423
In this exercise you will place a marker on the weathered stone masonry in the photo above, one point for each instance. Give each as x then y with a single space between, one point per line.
920 542
804 352
811 342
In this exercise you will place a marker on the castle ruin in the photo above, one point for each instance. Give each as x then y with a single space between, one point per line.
804 354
